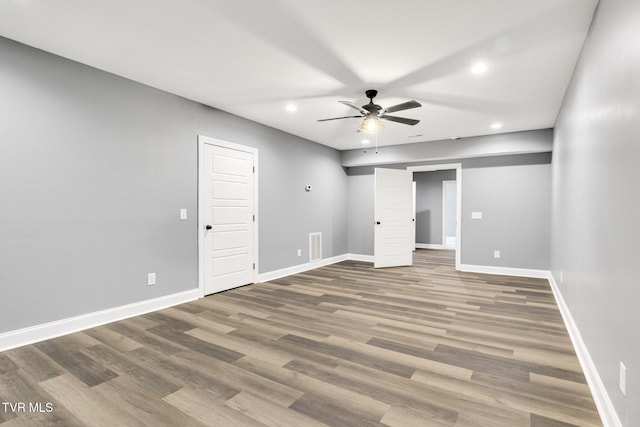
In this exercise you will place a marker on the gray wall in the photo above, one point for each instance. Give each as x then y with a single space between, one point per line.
513 192
93 171
429 205
361 214
596 201
451 202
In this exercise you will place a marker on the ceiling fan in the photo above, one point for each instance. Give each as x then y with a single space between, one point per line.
372 113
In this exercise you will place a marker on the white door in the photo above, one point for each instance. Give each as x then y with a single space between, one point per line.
393 217
228 218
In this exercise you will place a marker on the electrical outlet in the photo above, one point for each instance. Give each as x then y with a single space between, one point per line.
623 378
496 254
151 279
299 252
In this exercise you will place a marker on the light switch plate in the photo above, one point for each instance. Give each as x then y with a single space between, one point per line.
183 214
476 215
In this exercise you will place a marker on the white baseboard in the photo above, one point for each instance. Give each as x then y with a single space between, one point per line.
301 268
21 337
359 257
605 407
505 271
429 246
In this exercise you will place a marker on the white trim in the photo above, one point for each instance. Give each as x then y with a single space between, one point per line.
429 246
458 169
607 412
433 168
360 257
20 337
202 141
505 271
300 268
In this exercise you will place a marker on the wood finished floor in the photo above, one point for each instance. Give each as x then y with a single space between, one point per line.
343 345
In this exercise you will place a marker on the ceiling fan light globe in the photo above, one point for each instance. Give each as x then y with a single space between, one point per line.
371 125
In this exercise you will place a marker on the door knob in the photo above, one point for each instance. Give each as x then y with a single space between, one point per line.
208 227
377 222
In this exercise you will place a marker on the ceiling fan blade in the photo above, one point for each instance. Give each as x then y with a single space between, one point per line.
338 118
402 120
352 105
404 106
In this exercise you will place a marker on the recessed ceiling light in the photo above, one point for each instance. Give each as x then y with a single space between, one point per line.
365 141
496 125
479 68
291 108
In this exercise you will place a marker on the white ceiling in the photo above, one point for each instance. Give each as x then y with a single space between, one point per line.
254 57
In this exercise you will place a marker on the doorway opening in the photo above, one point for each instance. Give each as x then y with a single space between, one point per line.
442 223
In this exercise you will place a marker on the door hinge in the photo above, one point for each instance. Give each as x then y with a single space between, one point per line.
254 265
254 169
254 218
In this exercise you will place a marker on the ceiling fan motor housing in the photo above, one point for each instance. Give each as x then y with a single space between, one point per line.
371 107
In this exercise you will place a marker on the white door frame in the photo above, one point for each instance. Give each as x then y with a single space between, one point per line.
458 168
202 141
413 212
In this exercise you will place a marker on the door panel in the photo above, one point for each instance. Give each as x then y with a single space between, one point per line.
393 216
229 218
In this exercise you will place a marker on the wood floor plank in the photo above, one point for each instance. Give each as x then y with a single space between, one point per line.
81 366
231 376
244 346
126 366
134 402
113 339
40 408
84 404
177 372
268 413
6 364
407 417
341 345
308 384
205 407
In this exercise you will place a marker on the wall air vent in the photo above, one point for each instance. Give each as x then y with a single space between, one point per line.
315 247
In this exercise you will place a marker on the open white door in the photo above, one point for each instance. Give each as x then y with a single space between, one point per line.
228 217
393 216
